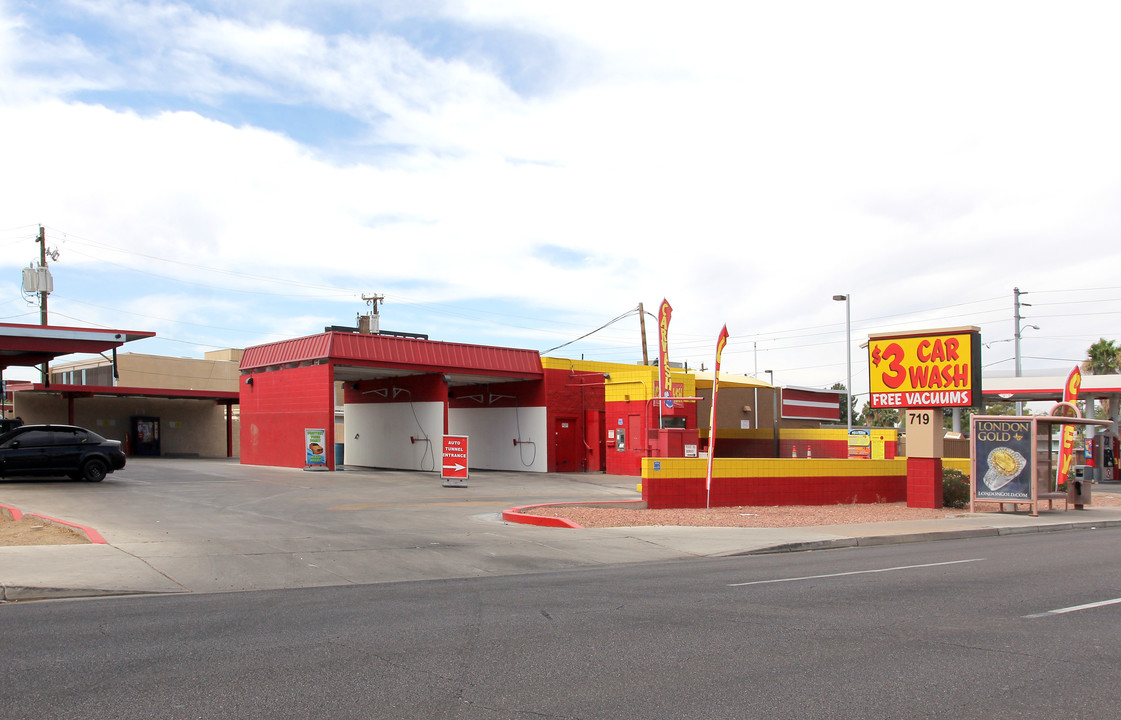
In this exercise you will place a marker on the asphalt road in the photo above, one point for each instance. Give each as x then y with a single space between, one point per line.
977 628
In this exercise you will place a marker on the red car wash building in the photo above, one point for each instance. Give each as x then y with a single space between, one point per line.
401 395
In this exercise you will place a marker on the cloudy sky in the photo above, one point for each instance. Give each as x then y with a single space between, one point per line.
228 173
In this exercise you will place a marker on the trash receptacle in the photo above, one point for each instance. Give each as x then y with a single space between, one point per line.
1078 493
338 454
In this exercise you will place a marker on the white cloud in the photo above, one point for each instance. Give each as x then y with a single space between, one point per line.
745 160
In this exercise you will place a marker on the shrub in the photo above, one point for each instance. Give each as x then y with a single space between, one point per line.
955 488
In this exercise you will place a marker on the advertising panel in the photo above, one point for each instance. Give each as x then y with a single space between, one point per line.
809 404
1002 452
860 444
934 369
315 447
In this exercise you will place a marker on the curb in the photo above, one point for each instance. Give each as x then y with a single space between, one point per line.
15 514
517 514
23 593
874 540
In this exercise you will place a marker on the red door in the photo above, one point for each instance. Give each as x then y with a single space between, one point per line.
566 445
595 440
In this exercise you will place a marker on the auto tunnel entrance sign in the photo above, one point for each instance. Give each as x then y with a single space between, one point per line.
454 465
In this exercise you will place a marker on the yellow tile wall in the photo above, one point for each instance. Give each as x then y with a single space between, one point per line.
771 467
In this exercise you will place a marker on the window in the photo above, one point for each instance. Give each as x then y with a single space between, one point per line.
70 437
32 438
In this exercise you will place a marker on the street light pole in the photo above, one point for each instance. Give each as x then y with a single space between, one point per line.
1016 305
848 354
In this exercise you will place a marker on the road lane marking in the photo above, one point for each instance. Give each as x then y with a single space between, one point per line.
1075 608
855 572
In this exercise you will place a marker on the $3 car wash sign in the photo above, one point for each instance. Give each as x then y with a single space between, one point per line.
928 369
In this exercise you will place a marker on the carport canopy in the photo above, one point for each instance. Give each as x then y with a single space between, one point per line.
30 345
1050 389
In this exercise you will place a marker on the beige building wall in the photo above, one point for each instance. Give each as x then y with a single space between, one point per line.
217 372
188 428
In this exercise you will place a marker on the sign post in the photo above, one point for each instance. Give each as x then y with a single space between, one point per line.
924 372
454 464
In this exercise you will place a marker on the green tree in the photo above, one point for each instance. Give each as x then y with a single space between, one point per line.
879 417
1000 407
1102 358
846 411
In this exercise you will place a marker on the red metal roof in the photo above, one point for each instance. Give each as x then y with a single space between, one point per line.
394 352
26 345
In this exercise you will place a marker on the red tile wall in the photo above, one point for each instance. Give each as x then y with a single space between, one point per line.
572 394
661 492
924 482
278 407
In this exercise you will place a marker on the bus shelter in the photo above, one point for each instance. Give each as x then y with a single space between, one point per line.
1015 459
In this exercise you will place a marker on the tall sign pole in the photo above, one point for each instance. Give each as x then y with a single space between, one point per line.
642 331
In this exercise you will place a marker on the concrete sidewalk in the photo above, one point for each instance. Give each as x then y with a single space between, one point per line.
176 526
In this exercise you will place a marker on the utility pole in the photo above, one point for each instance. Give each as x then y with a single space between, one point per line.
42 240
642 331
1016 320
370 323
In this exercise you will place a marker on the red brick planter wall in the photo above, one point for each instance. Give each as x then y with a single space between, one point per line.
679 483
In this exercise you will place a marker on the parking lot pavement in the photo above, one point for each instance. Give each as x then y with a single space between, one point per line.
177 525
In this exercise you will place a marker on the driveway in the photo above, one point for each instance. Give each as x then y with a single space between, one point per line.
176 525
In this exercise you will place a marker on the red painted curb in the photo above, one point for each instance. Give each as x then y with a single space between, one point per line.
92 535
517 514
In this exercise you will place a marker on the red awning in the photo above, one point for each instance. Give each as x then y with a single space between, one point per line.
28 345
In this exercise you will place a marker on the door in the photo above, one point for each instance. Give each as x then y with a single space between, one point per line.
566 445
27 453
68 446
146 436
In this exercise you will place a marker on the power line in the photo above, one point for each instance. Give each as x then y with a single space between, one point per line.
601 327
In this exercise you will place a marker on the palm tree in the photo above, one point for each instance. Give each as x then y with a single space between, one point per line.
1102 358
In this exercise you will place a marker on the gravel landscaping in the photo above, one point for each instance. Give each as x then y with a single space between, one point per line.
775 517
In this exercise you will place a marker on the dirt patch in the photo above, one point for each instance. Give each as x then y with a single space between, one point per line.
778 517
37 531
